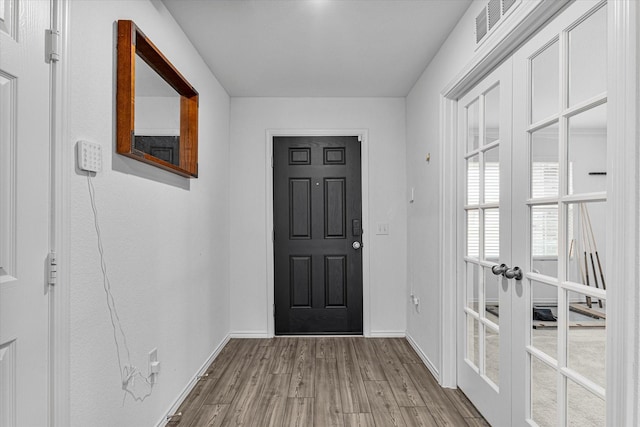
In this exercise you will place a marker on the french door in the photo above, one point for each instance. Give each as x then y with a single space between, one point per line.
532 335
486 319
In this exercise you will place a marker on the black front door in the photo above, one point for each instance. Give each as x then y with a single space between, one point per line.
317 194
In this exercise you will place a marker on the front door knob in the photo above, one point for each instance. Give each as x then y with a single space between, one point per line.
356 245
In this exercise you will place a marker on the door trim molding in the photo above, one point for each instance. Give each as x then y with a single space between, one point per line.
522 24
623 318
61 161
363 135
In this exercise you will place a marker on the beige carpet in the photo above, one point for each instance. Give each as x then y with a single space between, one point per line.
586 354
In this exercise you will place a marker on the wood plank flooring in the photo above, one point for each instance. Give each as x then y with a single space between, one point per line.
322 382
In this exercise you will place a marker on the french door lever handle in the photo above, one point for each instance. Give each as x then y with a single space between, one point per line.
499 269
513 273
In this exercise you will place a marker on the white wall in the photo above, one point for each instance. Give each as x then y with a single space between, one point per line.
165 237
423 124
384 118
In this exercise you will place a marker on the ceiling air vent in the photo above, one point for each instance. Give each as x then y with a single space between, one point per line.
491 15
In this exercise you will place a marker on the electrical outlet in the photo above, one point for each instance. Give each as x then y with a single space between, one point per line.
154 366
89 156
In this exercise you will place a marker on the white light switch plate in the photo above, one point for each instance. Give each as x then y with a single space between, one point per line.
89 156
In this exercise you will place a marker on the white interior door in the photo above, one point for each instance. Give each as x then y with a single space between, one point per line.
559 204
484 338
24 213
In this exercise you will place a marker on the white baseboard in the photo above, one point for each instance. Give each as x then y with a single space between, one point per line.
387 334
192 383
249 334
430 366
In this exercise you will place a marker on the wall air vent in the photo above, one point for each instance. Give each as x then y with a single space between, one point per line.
481 25
491 15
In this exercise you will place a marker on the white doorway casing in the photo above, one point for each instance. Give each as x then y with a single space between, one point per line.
362 135
622 230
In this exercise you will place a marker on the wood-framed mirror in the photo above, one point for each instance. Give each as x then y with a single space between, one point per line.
157 108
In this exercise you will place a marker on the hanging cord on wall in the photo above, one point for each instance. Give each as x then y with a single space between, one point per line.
128 372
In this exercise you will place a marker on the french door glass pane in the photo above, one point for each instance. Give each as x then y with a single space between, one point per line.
492 115
473 233
473 125
587 244
492 234
544 162
491 295
492 175
588 58
473 343
587 151
586 339
584 408
544 324
544 239
473 180
544 394
545 74
492 355
472 286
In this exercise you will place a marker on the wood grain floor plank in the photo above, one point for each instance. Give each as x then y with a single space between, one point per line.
352 392
442 409
359 420
211 416
190 407
368 360
221 362
299 412
399 379
284 359
327 410
405 352
272 402
384 407
245 401
462 403
303 372
241 389
325 348
228 384
477 422
418 416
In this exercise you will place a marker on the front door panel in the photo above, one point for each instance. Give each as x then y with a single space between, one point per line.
317 235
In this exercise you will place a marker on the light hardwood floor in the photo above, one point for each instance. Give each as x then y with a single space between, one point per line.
322 382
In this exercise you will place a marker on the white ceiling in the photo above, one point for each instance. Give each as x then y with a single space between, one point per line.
311 48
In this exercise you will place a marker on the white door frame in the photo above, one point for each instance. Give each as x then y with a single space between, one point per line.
623 320
363 136
61 162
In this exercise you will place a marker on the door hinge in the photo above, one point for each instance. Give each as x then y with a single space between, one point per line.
52 266
274 309
52 46
273 235
272 161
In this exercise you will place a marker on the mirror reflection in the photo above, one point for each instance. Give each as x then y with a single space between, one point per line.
157 115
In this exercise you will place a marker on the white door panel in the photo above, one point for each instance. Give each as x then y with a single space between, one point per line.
485 363
24 213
